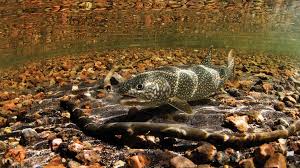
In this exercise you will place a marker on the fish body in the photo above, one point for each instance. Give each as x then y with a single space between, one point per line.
177 85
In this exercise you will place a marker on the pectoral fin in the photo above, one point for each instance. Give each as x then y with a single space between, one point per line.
180 104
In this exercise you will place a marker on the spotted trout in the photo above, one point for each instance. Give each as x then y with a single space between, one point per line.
177 85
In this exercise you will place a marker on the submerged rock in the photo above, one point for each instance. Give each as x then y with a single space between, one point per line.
138 161
202 154
247 163
276 160
239 122
181 162
29 137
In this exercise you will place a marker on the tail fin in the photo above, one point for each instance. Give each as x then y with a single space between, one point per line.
230 64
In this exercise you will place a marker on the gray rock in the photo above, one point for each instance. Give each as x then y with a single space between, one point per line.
29 137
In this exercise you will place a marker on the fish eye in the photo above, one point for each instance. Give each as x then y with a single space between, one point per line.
139 86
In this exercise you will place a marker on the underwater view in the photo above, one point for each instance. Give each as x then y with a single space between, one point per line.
149 83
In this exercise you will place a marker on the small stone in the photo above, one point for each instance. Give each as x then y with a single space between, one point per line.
9 106
278 88
239 122
29 137
17 154
267 87
3 122
264 152
289 98
55 143
3 146
56 162
73 164
234 92
257 88
75 147
7 130
295 146
138 161
203 154
276 160
181 162
247 163
88 156
296 97
279 106
119 164
288 104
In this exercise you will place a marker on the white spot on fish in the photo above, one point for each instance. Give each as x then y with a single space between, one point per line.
214 74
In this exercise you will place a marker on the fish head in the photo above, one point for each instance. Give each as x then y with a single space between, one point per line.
146 87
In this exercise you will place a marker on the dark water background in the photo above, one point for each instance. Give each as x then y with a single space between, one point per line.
42 28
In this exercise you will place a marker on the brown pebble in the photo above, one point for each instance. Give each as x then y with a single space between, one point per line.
3 122
267 87
247 163
239 122
138 161
181 162
56 162
279 106
17 154
277 160
203 154
88 156
75 147
263 152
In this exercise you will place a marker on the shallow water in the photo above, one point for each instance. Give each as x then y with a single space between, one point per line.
41 29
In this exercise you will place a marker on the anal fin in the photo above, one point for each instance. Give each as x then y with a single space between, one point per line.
180 104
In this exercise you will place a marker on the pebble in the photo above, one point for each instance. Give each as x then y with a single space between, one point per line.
289 103
75 147
3 146
263 152
277 160
3 122
181 162
73 164
138 161
89 156
29 137
279 106
56 162
119 164
239 122
247 163
55 143
290 99
295 146
16 154
202 154
234 92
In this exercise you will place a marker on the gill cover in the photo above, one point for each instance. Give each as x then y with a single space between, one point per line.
146 86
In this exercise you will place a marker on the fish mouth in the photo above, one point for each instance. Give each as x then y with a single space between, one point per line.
132 100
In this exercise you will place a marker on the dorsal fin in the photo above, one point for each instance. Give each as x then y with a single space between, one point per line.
207 59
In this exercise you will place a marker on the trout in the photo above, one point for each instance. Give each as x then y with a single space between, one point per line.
177 86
